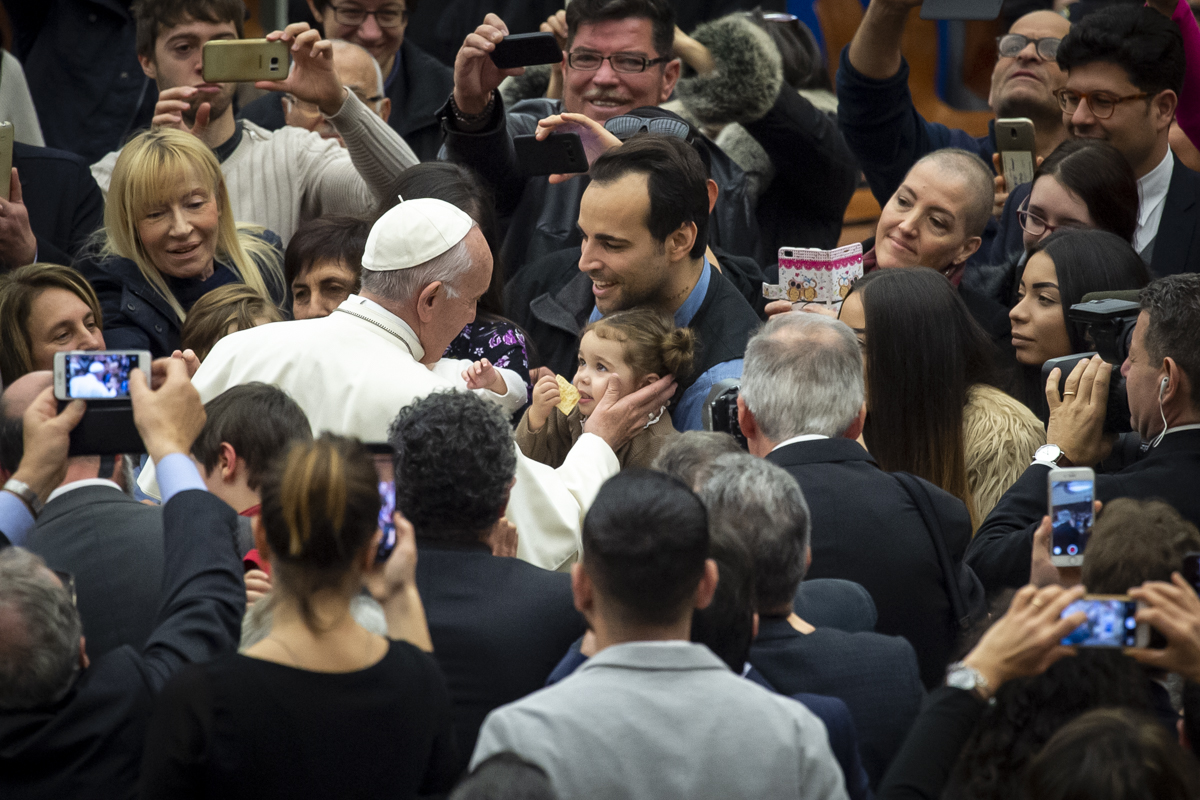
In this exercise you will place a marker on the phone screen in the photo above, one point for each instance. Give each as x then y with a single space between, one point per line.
99 375
384 469
1070 516
1110 623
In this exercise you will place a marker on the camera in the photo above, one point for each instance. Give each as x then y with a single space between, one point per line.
720 412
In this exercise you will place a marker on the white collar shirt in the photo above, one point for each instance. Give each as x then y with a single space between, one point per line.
1152 198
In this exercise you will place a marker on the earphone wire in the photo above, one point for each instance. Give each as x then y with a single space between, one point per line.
1162 389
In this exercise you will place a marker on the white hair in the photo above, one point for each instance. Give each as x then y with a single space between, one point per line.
803 374
342 44
403 285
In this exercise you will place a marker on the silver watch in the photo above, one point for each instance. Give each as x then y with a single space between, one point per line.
969 679
22 490
1050 454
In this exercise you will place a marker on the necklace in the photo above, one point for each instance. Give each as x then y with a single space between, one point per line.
381 326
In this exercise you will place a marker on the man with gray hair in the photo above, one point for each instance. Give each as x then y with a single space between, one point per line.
801 406
760 505
425 266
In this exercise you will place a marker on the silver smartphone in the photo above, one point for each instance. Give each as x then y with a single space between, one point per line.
97 374
1072 492
6 148
1015 142
1111 622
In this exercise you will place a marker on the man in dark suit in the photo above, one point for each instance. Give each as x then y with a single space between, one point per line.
1162 375
499 625
801 407
759 506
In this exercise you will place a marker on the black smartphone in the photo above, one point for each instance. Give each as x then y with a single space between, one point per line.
385 471
961 9
557 153
526 50
1191 570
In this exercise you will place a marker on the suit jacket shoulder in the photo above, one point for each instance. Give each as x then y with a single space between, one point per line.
1177 244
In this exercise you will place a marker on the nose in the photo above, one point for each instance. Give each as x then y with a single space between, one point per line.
1029 53
588 262
180 226
1125 366
370 30
606 75
1083 114
1017 313
93 340
908 224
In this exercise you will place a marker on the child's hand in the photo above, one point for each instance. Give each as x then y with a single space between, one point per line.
482 375
545 398
258 583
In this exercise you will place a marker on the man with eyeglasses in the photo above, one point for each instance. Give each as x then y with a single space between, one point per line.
888 135
619 56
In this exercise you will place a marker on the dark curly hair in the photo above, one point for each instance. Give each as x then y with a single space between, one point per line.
1143 42
455 460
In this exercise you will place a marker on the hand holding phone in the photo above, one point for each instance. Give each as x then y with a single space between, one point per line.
1016 144
6 156
557 153
526 50
97 374
384 469
1072 492
1111 622
1173 609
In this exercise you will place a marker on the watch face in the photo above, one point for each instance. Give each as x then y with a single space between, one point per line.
961 679
1047 452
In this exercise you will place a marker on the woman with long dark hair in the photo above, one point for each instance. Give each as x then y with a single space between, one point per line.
933 406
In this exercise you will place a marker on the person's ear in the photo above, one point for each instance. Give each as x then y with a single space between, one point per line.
84 661
679 243
856 427
670 78
227 465
807 559
754 626
385 108
149 67
713 191
746 420
317 15
708 585
260 538
646 381
583 590
1164 106
428 301
968 249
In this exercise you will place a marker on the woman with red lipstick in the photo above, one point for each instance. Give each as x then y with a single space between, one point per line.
169 238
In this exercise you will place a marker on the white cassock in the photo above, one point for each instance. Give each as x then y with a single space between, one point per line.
354 370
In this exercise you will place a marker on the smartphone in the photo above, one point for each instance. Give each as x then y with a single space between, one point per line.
1015 141
557 153
1111 622
385 471
243 60
526 50
97 374
1072 491
1191 570
6 148
961 9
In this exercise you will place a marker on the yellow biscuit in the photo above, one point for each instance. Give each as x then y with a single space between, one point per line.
568 395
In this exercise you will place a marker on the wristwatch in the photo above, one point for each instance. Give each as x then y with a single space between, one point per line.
969 679
29 496
1052 456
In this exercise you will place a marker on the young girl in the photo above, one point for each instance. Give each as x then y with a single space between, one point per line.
637 347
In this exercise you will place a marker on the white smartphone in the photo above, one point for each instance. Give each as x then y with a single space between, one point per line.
1111 622
1072 491
1016 144
97 374
6 156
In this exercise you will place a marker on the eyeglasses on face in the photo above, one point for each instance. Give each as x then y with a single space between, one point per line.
628 63
386 17
1010 46
1036 226
1102 104
308 109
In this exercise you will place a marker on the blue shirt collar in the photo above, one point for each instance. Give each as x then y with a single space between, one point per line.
687 311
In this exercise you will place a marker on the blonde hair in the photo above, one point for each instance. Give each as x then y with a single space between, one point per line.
150 169
18 290
209 320
652 343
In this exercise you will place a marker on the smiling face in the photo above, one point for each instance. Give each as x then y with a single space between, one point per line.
382 43
605 93
923 224
1039 329
177 62
1057 206
1138 128
59 321
599 360
179 233
1023 86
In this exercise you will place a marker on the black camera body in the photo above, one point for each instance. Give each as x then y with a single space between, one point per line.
720 412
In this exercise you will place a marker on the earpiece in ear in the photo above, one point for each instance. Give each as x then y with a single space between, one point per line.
1162 387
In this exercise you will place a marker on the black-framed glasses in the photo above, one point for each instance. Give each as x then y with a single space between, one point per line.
68 582
386 17
1010 45
628 125
1102 104
629 63
1036 226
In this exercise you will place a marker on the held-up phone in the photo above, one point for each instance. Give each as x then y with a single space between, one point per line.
1072 491
6 148
961 9
526 50
1111 622
557 153
1015 141
1191 570
385 471
97 374
244 60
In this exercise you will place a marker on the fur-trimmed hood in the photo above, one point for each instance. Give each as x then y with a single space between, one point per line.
747 78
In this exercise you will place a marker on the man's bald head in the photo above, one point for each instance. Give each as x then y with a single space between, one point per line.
976 178
1023 85
360 73
20 394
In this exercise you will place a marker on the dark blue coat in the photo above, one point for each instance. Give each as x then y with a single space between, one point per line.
64 203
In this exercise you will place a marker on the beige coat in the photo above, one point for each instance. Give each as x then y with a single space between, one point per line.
554 441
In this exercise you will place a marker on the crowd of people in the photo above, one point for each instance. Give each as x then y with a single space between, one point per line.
444 479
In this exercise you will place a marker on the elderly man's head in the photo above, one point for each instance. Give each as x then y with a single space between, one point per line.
359 73
802 375
428 263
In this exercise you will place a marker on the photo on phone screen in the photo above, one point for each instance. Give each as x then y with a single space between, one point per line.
1110 623
1071 514
99 375
384 469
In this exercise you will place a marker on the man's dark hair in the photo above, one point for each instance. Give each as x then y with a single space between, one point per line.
660 13
455 461
727 626
1140 40
1135 541
260 421
505 776
151 16
645 542
336 237
1173 305
675 178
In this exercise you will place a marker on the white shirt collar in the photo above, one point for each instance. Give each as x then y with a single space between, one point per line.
1152 196
356 305
73 485
1178 428
804 437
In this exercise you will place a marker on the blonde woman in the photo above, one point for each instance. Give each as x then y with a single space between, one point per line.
169 238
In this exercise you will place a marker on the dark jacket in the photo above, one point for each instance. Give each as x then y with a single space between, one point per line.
866 528
888 135
89 744
113 545
136 316
80 60
876 676
417 93
64 203
921 770
541 216
499 625
1003 545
